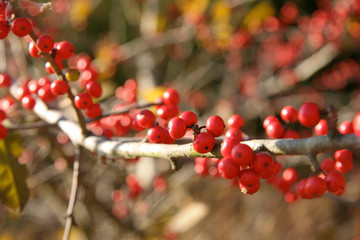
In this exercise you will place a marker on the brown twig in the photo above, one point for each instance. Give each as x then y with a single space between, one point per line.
73 193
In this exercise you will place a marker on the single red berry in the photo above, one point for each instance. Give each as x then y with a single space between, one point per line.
235 121
4 28
33 50
309 114
5 80
157 134
346 127
277 168
228 169
33 86
290 175
242 154
177 127
167 111
45 93
201 166
130 84
343 155
3 131
215 126
44 81
94 89
171 96
45 43
28 102
300 188
64 50
204 142
159 184
291 197
83 100
328 165
268 120
21 26
315 187
59 87
289 114
335 181
321 128
275 129
189 117
136 126
88 75
227 145
93 111
356 124
344 166
22 92
83 62
234 133
289 133
145 118
263 165
249 181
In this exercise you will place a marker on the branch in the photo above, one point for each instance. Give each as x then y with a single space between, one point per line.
133 147
73 193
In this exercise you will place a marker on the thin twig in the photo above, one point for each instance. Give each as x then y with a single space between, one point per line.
73 193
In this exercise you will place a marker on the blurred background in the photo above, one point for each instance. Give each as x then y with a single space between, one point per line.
223 56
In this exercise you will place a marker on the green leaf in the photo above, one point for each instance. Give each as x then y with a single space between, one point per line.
13 189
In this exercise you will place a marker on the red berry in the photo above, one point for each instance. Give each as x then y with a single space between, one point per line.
300 188
189 117
228 169
167 111
289 133
262 165
171 96
5 80
249 181
145 118
268 120
356 124
21 26
45 93
159 184
93 111
33 50
64 50
4 28
335 181
290 175
59 87
22 92
201 166
235 121
94 89
344 166
157 134
215 126
234 133
242 154
3 131
88 75
177 127
321 128
227 146
83 62
289 114
204 142
309 114
346 127
136 126
45 43
33 86
328 165
28 102
275 129
83 100
315 187
343 155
